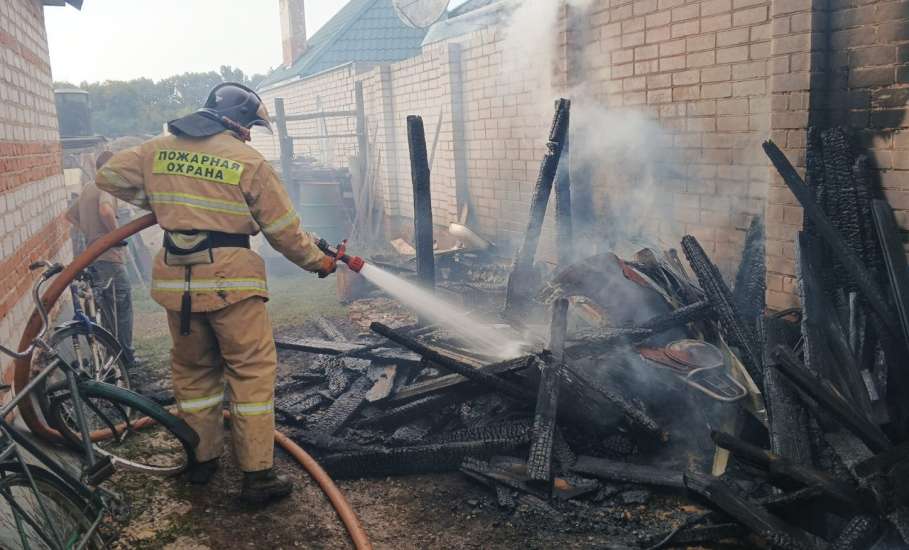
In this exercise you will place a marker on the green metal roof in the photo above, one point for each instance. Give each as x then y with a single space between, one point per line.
364 31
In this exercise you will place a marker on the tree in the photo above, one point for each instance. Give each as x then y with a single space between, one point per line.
142 106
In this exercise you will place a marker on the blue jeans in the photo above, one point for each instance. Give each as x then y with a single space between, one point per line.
114 296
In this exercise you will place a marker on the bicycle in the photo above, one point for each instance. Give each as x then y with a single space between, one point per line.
85 340
43 505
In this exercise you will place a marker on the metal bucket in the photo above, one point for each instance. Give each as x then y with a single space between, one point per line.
320 210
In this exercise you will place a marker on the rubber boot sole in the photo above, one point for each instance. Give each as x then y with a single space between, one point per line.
263 496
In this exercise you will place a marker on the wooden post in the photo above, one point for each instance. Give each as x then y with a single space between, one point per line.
286 146
422 201
564 227
522 281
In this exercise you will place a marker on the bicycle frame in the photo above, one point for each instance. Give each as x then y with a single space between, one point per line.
19 441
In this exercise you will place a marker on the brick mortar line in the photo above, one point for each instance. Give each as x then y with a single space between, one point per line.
30 57
44 244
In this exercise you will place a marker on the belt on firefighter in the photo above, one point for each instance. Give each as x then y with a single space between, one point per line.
211 240
228 240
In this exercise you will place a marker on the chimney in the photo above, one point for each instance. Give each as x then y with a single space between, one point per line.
293 29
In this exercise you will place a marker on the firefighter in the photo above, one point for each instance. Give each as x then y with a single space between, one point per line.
211 191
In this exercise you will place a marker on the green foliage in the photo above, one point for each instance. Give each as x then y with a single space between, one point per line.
142 106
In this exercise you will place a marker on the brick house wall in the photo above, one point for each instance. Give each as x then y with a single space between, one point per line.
32 197
710 79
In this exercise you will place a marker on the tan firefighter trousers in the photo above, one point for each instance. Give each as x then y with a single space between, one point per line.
234 343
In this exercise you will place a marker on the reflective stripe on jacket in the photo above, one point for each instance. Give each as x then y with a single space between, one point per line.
217 183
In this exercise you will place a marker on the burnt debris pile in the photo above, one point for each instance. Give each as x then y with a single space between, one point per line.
650 377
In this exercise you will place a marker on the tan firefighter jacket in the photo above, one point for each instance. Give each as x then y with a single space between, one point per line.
216 183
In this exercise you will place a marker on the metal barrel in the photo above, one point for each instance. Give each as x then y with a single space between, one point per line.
320 209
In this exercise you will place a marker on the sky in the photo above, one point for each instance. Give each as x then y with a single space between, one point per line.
126 39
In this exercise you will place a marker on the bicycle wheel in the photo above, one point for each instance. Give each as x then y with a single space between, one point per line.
23 521
157 443
94 351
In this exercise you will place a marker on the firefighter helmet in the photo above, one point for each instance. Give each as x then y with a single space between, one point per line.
238 103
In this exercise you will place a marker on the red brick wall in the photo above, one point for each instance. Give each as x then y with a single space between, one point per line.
31 175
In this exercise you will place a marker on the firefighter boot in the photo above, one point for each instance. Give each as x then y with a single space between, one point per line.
201 473
263 486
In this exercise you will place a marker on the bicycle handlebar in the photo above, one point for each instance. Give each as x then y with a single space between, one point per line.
49 271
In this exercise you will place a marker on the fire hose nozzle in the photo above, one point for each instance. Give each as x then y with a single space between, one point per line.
355 263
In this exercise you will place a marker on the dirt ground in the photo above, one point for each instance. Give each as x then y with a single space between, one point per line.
443 511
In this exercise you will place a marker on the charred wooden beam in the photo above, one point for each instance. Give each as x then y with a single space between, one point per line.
489 380
826 350
749 292
411 460
422 202
379 355
421 407
838 246
320 440
751 514
519 431
696 536
452 381
819 390
782 468
521 281
604 340
787 417
539 463
330 330
636 419
680 317
625 472
564 226
895 259
730 320
883 462
564 454
343 409
859 533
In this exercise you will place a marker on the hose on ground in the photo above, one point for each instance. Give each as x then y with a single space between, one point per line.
36 423
335 496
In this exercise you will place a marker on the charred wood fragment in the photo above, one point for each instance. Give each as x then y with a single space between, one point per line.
859 533
539 463
376 353
720 297
751 514
782 468
518 431
863 279
421 407
521 281
787 417
562 451
603 340
330 330
343 409
625 472
895 260
422 201
699 534
698 311
488 380
636 419
826 349
411 460
819 390
451 381
749 292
